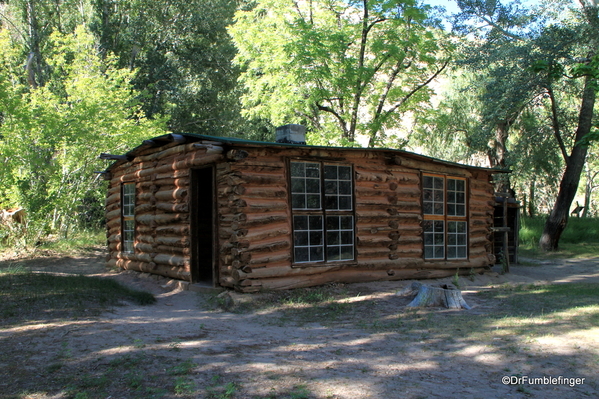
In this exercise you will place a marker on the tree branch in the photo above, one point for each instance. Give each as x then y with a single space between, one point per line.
417 88
556 126
337 116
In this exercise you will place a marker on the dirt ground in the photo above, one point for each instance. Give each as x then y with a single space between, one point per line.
261 354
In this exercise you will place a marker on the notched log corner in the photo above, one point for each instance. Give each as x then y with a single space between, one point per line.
428 296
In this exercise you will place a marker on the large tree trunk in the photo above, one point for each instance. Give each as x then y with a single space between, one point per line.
558 219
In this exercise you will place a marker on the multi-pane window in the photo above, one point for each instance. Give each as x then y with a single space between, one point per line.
323 220
128 217
445 226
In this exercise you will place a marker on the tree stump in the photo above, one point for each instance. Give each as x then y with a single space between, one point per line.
444 295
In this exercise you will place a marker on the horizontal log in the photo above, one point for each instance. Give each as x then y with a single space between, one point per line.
273 230
112 207
166 182
409 251
116 222
162 219
260 179
114 238
347 276
151 267
113 214
145 238
167 249
115 247
144 247
172 260
132 256
269 246
258 260
172 174
114 198
298 270
159 155
173 229
434 167
173 207
266 192
478 241
169 195
375 241
144 208
173 241
145 233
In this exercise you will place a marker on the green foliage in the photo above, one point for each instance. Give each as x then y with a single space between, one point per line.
52 137
341 68
182 55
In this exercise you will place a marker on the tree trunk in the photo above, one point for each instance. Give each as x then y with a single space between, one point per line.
588 191
531 199
503 184
445 296
558 219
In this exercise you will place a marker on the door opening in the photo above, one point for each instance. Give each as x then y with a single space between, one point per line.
203 265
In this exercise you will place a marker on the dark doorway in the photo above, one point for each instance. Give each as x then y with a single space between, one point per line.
203 268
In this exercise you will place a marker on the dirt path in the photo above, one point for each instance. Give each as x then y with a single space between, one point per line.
189 348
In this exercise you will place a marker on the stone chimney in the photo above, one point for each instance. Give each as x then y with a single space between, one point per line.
291 134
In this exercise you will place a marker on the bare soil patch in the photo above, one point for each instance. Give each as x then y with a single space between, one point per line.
362 344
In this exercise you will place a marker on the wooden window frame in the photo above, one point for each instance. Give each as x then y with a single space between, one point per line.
128 217
452 228
333 219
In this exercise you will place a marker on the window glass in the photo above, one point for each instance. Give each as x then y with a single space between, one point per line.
456 197
305 185
432 195
338 187
128 217
308 238
457 240
445 234
434 239
322 232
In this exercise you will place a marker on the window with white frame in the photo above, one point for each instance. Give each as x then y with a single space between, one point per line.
128 216
322 205
445 226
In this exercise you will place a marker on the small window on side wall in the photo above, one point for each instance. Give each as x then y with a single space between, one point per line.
128 217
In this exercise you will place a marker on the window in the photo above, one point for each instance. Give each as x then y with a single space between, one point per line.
323 225
445 227
128 217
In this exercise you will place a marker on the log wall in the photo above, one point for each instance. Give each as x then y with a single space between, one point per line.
162 210
253 217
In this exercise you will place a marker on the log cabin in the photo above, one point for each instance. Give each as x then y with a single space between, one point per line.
254 216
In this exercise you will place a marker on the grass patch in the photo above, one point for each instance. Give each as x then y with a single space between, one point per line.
521 313
27 296
580 239
323 304
80 241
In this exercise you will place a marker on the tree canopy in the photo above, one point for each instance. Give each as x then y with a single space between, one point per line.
344 68
51 135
